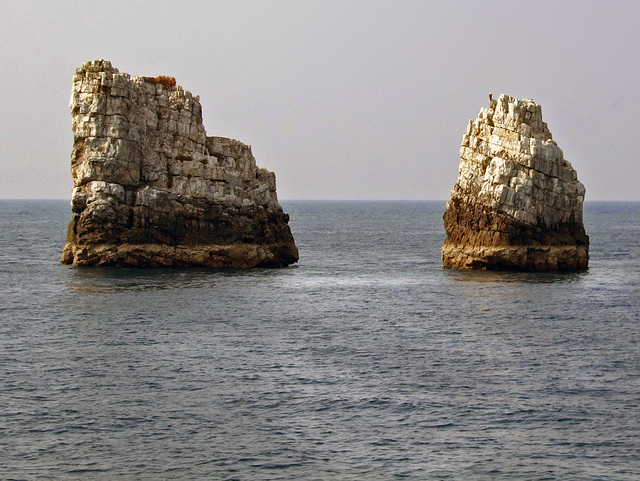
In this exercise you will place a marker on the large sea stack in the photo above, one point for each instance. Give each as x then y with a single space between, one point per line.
151 189
517 204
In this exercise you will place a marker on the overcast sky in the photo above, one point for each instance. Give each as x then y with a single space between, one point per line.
343 99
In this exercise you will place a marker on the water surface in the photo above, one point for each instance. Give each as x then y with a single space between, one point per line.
366 360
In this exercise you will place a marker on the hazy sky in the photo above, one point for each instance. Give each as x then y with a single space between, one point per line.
343 99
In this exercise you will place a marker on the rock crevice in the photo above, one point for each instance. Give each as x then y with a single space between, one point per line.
517 203
150 188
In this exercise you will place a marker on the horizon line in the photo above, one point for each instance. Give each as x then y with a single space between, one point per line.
321 200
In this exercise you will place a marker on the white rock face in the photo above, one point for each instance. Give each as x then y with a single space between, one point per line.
146 174
517 203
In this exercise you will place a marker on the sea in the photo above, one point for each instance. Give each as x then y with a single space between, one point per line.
365 361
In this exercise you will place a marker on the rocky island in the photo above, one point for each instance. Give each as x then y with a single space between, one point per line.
151 189
517 203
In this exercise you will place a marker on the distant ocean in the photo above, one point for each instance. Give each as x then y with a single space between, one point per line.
365 361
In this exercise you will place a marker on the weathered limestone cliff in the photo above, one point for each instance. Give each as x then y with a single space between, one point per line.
517 203
152 189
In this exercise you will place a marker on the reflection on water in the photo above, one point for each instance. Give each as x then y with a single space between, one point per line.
107 279
516 277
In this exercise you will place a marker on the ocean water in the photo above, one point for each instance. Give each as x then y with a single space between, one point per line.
365 361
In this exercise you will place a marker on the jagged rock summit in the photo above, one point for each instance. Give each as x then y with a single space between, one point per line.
151 189
517 204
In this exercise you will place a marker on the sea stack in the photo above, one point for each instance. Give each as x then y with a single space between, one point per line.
151 189
517 204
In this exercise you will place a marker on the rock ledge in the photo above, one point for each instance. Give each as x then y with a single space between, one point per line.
151 189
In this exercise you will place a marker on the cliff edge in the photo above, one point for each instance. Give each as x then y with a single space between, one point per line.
517 204
151 189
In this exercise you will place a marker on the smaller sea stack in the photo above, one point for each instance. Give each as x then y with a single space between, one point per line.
517 204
